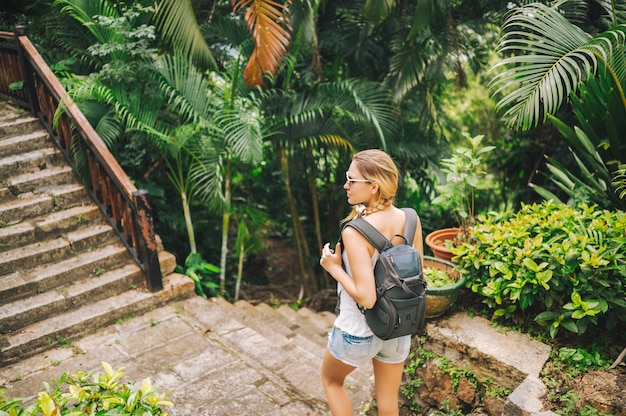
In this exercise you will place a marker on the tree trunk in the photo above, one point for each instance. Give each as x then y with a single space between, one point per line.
312 176
308 283
189 225
225 225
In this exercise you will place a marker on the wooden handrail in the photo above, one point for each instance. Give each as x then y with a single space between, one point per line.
126 207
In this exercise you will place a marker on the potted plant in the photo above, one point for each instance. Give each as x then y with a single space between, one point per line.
444 283
462 176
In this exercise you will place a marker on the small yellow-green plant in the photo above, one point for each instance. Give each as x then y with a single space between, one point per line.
80 393
437 278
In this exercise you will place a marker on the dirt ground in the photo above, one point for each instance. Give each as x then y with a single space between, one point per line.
273 277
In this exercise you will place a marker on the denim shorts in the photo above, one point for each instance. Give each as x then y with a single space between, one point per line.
356 351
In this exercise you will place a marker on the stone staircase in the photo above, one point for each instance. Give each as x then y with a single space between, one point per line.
211 356
63 269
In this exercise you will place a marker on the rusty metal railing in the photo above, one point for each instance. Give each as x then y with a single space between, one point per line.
38 89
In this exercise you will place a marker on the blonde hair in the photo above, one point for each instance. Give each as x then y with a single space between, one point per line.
377 166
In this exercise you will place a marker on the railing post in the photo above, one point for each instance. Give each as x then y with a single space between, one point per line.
29 81
149 251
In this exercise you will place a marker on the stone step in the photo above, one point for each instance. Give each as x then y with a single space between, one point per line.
17 124
306 332
283 360
43 278
307 321
41 178
265 322
314 341
29 163
56 249
38 228
506 357
99 285
14 209
18 209
63 328
63 268
26 142
9 112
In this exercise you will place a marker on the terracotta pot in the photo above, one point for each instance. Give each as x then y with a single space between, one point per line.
437 239
439 299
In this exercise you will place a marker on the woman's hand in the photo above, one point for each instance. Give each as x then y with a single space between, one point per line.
331 259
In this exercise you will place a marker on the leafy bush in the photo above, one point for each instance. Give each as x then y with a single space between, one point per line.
90 394
564 267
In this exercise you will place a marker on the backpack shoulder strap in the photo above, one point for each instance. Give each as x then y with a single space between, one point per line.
410 224
370 232
377 239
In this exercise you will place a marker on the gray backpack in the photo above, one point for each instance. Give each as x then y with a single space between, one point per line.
400 307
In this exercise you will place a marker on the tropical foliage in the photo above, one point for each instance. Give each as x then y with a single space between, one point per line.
210 113
558 265
569 64
91 393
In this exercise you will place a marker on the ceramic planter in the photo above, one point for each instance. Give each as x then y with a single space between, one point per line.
436 241
439 299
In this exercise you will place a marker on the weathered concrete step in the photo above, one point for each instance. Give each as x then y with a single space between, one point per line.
88 318
18 209
20 125
304 338
265 322
37 229
30 162
316 326
24 143
24 283
308 340
41 178
284 361
14 209
99 285
57 249
307 321
9 112
506 357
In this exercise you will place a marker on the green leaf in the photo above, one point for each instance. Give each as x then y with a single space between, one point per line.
546 316
570 325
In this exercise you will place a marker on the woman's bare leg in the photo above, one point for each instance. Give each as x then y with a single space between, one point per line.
334 372
387 379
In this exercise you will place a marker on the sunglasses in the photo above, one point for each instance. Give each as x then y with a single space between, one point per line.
351 181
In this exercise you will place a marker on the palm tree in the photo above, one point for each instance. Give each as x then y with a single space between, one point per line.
330 116
266 20
551 61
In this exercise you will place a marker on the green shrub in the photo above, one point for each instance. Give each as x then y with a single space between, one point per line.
564 267
90 394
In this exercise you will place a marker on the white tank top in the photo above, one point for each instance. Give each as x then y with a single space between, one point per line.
350 319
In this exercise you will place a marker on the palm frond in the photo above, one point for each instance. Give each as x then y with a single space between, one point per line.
85 10
407 68
242 133
329 140
368 100
178 24
269 26
104 120
185 86
550 57
206 175
619 181
614 11
131 110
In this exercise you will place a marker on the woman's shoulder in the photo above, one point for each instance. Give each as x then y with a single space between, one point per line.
388 222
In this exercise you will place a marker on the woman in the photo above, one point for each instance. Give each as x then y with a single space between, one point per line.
371 186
